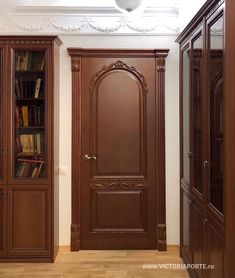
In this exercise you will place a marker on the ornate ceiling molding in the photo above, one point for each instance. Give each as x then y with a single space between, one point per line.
87 25
89 21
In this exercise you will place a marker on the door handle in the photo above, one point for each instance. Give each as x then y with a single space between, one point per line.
87 157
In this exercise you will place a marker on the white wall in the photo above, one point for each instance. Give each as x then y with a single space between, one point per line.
172 123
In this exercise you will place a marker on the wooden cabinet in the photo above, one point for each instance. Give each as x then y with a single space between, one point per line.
207 140
29 148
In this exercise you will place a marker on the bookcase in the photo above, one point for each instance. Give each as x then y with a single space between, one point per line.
29 132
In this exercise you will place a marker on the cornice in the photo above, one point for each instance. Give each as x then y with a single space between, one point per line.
207 9
89 21
85 25
128 53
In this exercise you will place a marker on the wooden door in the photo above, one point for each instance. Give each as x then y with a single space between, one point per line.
119 153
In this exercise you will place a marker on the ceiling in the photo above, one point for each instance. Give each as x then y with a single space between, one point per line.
166 17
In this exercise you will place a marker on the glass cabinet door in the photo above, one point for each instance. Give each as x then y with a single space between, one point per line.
186 116
29 108
2 149
216 39
185 145
197 96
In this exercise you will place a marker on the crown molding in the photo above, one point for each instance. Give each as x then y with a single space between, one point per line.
62 20
86 25
75 10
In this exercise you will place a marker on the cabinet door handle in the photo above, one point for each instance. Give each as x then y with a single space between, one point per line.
205 221
205 163
189 154
87 157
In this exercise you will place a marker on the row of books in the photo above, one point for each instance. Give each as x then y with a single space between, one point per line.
29 60
30 168
28 88
29 115
30 144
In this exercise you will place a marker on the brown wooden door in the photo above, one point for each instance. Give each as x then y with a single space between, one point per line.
118 154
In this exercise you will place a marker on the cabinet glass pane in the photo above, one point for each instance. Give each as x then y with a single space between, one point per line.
216 113
29 121
186 118
1 118
197 62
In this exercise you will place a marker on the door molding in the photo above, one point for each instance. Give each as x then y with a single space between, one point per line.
76 56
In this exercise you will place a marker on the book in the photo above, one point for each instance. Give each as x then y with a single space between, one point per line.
18 145
21 87
17 88
25 115
34 172
42 63
18 116
25 62
17 62
30 168
30 145
38 143
37 87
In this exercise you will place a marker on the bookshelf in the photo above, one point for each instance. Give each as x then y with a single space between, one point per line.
30 103
29 160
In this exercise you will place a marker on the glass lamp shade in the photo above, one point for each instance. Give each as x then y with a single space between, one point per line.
128 5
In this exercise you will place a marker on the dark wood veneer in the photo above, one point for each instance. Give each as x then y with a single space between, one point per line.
213 222
229 140
123 59
29 207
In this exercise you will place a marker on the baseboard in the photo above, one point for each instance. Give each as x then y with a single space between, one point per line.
173 248
66 248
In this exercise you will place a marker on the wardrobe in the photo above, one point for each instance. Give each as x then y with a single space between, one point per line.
207 132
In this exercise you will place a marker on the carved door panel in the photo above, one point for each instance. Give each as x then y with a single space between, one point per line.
29 221
118 153
3 214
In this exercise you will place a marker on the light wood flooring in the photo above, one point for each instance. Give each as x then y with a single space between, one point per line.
99 264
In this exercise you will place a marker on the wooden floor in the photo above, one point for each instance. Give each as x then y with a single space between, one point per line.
97 264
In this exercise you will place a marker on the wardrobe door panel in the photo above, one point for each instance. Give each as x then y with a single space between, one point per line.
197 103
197 228
3 201
3 150
185 243
185 104
216 96
215 252
1 113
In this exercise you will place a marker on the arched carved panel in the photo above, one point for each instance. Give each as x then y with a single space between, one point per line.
119 123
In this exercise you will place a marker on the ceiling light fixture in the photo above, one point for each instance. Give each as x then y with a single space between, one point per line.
128 5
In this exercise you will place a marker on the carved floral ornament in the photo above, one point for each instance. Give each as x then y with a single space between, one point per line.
119 65
118 185
86 25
